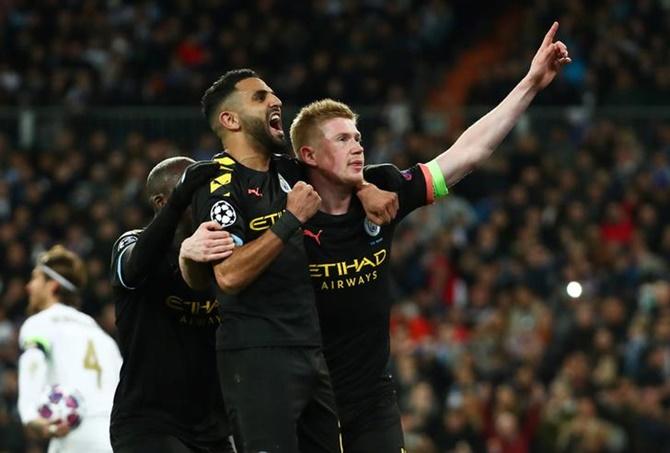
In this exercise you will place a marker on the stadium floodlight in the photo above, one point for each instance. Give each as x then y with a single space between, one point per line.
574 289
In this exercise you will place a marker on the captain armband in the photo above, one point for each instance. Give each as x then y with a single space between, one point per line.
37 342
439 184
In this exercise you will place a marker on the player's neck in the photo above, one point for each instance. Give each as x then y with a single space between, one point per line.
335 198
48 304
248 152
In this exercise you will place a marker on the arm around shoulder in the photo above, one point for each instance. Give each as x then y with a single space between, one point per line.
208 244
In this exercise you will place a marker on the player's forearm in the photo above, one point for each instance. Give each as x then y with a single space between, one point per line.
479 141
154 241
196 275
247 262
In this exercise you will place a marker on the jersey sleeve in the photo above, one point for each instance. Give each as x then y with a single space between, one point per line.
120 254
220 201
33 370
35 341
35 333
414 185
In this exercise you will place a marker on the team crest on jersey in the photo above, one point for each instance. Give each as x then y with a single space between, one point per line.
223 213
407 174
284 184
370 228
126 241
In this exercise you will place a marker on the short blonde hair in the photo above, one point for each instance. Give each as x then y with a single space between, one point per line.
304 127
69 266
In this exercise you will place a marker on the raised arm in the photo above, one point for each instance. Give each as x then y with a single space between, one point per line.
481 139
247 262
157 236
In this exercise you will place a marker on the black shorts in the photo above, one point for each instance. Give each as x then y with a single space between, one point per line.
279 400
165 443
372 425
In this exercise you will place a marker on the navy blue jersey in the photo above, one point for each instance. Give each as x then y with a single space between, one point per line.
349 267
277 309
168 381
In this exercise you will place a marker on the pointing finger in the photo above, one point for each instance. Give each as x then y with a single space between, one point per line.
549 37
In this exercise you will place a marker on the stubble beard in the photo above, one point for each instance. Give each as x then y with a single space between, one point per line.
256 129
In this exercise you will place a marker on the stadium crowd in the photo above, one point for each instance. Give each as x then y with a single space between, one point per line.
128 53
489 351
97 52
618 50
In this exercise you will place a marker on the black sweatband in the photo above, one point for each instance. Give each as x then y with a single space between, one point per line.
285 226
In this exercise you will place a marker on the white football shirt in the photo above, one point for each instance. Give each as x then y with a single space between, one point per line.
65 346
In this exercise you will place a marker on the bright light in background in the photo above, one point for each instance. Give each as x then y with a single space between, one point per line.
574 289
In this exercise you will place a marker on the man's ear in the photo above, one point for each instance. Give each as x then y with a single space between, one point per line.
52 286
158 201
308 155
229 120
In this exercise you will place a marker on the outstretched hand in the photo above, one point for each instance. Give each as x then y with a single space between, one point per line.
549 59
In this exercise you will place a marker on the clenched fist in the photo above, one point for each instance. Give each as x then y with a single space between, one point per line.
303 201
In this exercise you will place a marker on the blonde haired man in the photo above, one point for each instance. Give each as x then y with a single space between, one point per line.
62 345
272 371
349 255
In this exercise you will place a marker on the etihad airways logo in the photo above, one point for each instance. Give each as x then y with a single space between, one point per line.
344 268
347 274
196 313
265 221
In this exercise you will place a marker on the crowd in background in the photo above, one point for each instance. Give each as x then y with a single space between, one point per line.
114 52
167 52
618 48
489 352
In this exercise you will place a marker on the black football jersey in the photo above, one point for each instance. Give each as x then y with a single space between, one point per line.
168 380
277 309
349 260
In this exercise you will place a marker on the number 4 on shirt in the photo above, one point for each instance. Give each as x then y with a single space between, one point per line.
91 361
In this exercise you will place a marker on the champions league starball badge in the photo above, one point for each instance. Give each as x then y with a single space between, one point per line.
283 184
370 228
223 213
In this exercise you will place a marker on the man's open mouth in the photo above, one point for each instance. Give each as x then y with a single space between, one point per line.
274 121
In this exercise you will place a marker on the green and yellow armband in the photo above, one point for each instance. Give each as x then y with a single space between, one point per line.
37 342
439 184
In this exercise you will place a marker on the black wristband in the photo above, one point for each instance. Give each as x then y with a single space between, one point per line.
285 226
